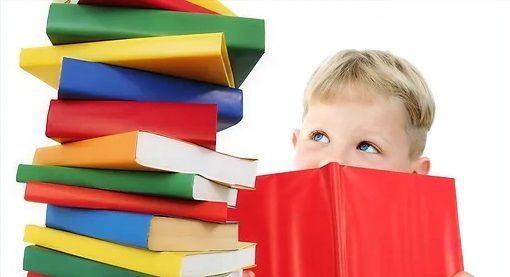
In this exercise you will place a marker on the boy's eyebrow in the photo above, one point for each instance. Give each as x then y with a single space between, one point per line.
376 134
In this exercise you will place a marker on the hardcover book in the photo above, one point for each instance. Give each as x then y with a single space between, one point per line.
54 263
47 262
168 184
150 152
194 123
244 37
156 233
351 222
83 80
201 57
145 261
69 196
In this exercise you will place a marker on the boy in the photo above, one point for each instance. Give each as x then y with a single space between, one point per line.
367 109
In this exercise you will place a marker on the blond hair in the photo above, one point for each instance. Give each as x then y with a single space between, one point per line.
384 72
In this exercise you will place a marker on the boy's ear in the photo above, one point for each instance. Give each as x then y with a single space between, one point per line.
295 135
421 166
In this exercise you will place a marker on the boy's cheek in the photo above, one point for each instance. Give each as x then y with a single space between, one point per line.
305 158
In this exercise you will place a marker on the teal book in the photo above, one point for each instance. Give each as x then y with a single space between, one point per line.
245 37
168 184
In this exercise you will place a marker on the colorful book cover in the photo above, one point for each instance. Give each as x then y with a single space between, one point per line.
156 233
150 152
201 57
70 196
194 123
168 184
351 222
83 80
244 37
149 262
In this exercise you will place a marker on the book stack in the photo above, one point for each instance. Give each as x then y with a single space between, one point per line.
135 187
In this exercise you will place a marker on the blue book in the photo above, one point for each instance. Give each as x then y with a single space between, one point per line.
98 81
145 231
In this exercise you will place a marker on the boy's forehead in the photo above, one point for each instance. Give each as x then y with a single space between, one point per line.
343 90
376 112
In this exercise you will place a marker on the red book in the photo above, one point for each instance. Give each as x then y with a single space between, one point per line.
79 197
343 221
34 274
72 120
172 5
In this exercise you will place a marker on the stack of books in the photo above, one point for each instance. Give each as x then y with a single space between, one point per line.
135 187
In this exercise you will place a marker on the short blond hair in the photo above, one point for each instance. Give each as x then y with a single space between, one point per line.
383 72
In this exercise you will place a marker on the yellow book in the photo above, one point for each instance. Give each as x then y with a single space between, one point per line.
146 151
201 57
213 5
145 261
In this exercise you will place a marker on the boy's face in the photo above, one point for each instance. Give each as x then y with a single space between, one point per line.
357 131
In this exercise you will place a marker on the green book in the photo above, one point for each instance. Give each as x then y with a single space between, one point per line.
245 37
58 264
169 184
54 263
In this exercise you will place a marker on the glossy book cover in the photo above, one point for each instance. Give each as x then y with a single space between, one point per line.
346 221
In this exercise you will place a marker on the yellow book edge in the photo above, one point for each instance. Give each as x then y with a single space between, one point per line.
213 5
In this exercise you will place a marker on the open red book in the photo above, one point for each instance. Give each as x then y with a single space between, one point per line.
342 221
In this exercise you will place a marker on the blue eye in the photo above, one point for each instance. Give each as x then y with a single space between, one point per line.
319 137
365 146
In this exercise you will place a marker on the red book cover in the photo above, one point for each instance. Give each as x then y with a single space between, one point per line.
72 120
79 197
172 5
343 221
34 274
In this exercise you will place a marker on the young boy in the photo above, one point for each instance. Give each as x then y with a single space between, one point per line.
367 109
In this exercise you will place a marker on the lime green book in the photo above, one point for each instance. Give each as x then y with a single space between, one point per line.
169 184
245 37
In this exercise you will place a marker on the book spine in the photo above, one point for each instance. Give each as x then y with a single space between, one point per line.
195 123
69 196
178 185
53 263
119 227
334 174
149 262
201 57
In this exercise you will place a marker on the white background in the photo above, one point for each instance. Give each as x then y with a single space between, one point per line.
462 49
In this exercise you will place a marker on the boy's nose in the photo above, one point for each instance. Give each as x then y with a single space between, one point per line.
339 160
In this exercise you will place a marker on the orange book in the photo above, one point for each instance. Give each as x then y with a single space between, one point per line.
150 152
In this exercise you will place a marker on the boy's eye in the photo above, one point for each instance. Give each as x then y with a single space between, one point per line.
368 147
319 137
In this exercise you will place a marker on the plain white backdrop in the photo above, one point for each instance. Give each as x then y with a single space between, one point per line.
462 49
